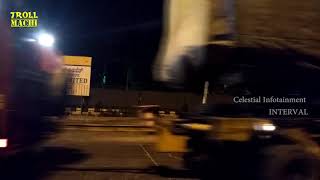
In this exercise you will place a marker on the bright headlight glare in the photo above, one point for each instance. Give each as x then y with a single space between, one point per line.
46 40
264 127
3 143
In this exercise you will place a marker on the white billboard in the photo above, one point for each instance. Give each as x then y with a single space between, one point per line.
79 70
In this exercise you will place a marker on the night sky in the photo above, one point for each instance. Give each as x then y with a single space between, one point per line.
121 35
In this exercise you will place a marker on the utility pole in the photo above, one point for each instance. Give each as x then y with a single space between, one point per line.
127 79
205 92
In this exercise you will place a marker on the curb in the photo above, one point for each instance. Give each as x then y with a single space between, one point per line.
111 129
107 126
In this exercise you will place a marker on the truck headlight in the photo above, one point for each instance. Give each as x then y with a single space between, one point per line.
3 143
264 127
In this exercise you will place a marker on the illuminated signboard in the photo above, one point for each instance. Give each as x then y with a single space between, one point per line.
79 70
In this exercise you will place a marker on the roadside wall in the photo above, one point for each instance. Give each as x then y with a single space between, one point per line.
121 98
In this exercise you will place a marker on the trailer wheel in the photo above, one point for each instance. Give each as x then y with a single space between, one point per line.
289 162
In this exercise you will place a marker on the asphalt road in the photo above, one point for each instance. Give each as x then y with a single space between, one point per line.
84 154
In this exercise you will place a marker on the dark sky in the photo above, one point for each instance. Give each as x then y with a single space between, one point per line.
117 33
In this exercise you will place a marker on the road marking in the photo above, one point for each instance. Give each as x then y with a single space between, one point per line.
174 157
148 154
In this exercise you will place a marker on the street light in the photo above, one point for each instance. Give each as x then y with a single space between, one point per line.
46 40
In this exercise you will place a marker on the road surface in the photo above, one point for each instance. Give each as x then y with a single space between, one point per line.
94 154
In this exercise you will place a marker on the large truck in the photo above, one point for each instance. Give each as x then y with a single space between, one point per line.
31 92
213 37
247 49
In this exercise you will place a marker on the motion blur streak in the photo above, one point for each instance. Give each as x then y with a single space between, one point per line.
190 28
187 27
32 88
5 67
